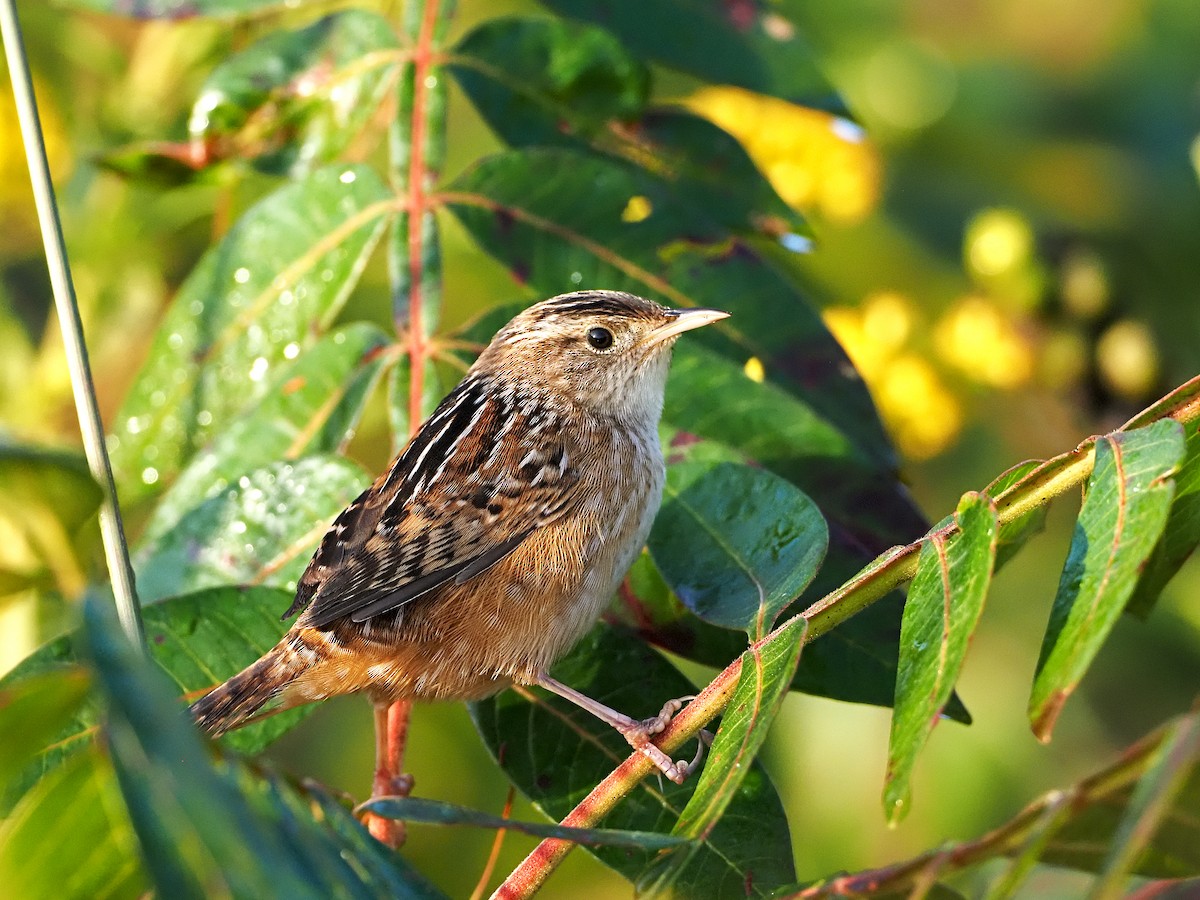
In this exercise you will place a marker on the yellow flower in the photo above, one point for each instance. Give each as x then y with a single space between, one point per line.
975 337
817 162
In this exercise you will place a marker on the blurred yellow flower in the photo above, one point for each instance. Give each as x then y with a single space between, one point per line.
816 161
1127 359
977 338
997 242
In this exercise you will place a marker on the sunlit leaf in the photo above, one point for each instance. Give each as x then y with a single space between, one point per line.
556 753
253 302
199 640
70 837
1015 532
32 712
296 99
1128 499
175 9
312 406
945 600
736 544
764 682
261 530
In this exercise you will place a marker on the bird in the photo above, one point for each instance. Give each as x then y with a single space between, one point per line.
497 536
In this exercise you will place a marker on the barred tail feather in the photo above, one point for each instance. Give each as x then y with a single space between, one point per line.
231 704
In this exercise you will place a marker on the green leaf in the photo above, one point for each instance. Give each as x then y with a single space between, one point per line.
546 81
736 544
1181 534
433 389
437 812
298 98
1123 515
945 600
1151 805
762 686
199 640
175 9
748 45
272 285
312 406
1173 850
555 753
32 712
557 219
70 837
200 832
48 503
262 530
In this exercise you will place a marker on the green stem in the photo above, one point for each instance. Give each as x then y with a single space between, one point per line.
112 531
891 570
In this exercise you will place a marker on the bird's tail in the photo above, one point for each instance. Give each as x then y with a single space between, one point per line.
233 703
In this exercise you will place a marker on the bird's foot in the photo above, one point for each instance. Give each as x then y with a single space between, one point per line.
638 734
389 832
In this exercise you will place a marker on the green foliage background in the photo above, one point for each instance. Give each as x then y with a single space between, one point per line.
1083 122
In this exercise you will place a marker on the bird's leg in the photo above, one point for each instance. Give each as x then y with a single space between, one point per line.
391 732
637 733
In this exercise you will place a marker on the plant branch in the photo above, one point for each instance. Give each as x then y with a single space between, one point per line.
112 531
889 571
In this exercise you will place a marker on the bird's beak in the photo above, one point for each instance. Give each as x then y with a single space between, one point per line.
682 320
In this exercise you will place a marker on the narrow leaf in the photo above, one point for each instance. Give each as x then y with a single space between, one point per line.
1151 804
736 544
261 530
945 600
1128 499
765 679
437 812
1181 534
32 712
199 834
264 293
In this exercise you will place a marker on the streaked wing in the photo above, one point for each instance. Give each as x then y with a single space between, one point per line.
484 472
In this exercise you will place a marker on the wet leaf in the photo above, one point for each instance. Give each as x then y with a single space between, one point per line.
945 600
296 99
555 753
736 545
1123 515
764 682
261 530
265 292
312 406
744 44
437 812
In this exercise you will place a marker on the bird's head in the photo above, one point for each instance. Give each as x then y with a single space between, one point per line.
606 351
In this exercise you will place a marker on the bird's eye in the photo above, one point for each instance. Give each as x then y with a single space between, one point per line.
600 338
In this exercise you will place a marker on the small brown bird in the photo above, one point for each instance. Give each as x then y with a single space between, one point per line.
498 535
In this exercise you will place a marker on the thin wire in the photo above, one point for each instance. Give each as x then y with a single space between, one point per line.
92 430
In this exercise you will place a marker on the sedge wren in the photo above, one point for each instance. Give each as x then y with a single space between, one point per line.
499 533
